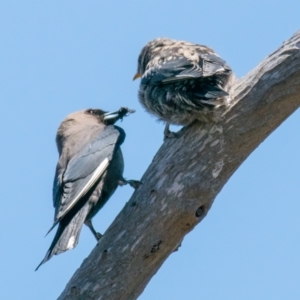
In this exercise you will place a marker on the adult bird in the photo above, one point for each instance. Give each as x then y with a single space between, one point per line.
182 82
89 169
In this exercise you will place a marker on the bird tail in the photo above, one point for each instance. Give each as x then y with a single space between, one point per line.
67 234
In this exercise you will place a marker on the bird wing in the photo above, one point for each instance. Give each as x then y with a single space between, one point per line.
212 64
84 170
180 68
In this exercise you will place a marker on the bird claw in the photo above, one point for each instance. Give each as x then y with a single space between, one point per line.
98 236
133 183
168 133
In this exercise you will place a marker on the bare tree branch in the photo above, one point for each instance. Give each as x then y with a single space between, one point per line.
183 180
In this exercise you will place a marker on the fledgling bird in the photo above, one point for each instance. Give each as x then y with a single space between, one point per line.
89 169
182 82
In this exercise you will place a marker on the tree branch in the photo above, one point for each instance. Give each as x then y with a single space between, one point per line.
183 180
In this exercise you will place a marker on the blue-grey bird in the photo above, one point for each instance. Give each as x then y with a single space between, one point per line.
89 169
182 82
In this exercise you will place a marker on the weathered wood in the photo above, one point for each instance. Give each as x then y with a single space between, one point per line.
183 180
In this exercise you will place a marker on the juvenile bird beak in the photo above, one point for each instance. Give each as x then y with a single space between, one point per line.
136 76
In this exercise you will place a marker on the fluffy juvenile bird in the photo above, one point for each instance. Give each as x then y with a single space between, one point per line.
89 169
182 82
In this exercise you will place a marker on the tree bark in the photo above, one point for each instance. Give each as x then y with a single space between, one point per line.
185 176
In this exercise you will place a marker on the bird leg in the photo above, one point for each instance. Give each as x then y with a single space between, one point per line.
96 234
133 183
168 133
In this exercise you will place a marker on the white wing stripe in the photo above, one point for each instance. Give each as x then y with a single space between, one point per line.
96 175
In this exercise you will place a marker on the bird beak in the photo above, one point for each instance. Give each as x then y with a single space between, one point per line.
136 76
112 117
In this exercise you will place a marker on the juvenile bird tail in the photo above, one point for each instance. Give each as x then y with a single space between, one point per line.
67 234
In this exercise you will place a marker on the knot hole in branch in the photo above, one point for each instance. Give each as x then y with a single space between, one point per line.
154 248
200 211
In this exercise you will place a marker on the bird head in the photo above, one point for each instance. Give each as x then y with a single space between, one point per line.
149 52
84 120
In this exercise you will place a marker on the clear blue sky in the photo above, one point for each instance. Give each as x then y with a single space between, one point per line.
57 57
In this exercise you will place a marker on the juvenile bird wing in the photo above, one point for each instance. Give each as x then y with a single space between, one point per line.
180 68
84 170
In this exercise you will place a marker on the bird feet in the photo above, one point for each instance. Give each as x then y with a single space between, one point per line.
133 183
168 133
96 234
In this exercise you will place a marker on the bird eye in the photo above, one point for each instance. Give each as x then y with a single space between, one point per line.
90 111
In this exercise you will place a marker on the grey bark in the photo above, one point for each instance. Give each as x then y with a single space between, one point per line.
183 180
